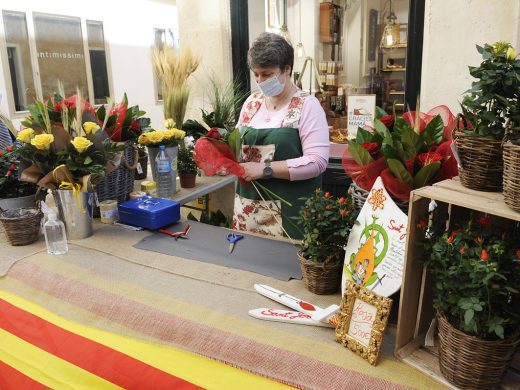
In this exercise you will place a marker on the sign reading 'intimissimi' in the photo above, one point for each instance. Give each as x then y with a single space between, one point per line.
60 55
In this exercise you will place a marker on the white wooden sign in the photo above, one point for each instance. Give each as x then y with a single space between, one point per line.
374 254
360 112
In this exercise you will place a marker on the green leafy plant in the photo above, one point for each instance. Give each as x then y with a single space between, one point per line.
10 186
326 223
475 267
185 161
494 96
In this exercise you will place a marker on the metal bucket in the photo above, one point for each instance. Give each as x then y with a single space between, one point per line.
76 212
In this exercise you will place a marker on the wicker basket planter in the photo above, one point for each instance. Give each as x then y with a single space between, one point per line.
481 162
22 226
511 178
360 195
321 278
470 362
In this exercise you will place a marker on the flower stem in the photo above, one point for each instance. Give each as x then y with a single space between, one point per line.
272 193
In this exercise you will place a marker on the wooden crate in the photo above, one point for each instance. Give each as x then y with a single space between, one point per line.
415 308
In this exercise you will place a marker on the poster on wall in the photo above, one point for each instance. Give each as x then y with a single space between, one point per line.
374 254
361 112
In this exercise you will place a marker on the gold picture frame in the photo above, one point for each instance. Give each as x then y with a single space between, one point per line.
362 321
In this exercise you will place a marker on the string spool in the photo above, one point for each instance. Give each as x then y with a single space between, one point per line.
137 194
108 211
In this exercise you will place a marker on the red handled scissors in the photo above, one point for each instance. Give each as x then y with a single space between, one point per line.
233 238
177 235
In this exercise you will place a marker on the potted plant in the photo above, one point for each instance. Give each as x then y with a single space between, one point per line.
326 223
14 193
141 171
186 167
486 109
475 267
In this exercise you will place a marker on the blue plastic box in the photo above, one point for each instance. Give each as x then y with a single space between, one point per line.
150 213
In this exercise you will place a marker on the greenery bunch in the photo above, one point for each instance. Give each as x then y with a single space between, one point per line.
10 186
326 222
475 267
494 97
185 160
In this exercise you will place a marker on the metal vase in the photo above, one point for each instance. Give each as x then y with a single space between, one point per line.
76 212
172 152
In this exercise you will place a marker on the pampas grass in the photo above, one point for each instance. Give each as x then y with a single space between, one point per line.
173 71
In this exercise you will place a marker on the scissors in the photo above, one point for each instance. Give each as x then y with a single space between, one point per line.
233 238
177 235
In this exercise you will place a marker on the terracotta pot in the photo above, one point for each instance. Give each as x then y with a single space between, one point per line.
187 179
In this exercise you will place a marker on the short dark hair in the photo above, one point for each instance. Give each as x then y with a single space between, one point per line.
270 50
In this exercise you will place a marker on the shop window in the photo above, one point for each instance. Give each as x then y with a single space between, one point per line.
98 61
60 53
19 59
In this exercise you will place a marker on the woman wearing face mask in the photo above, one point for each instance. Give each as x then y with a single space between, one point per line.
285 143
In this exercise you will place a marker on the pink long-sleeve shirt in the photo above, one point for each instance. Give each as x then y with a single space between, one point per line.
314 136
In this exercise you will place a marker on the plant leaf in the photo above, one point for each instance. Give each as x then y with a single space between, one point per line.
434 132
363 136
425 174
359 153
382 129
234 142
400 171
468 316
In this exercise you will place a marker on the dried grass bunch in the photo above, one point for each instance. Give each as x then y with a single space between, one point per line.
173 70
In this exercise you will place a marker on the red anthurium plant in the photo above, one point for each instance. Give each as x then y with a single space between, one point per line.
476 274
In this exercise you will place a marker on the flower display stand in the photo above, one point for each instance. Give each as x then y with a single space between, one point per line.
415 309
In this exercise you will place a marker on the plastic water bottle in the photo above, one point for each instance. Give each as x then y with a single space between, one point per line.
55 236
163 165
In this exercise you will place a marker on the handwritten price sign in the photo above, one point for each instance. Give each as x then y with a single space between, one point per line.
362 320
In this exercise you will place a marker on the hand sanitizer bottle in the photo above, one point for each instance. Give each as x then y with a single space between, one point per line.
55 236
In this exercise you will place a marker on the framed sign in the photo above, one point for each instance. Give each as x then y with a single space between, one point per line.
360 112
362 321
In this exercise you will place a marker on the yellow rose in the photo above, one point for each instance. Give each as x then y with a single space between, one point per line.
42 141
155 136
511 54
143 139
169 123
81 144
26 135
91 127
168 133
178 134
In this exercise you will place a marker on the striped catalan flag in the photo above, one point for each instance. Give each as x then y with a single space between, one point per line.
41 350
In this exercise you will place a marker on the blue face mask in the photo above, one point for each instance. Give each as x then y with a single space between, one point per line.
271 87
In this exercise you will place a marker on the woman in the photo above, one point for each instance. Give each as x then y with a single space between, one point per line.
285 143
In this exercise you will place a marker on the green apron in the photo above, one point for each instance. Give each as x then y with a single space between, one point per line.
287 145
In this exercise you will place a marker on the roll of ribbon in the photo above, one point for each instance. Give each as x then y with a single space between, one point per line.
137 194
108 211
150 187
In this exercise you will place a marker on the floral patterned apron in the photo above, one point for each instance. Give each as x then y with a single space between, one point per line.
251 212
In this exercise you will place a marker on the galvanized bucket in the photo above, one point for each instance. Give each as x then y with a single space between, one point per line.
76 211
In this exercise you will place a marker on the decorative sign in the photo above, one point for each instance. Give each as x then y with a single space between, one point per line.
374 254
360 112
362 321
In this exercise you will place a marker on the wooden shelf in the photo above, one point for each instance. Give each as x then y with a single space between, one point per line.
394 69
396 92
398 46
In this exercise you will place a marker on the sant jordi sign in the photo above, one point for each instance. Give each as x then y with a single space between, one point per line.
374 254
360 112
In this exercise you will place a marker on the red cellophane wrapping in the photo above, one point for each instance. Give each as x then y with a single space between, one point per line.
213 156
363 175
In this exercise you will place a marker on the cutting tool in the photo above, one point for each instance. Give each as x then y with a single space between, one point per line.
233 238
177 235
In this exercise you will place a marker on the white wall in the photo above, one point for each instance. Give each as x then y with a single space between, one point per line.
451 30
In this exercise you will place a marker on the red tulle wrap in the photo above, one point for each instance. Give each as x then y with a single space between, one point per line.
424 119
396 188
363 175
449 167
213 156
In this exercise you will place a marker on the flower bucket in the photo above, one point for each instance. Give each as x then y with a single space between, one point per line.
17 203
512 176
172 152
472 363
481 162
321 278
76 212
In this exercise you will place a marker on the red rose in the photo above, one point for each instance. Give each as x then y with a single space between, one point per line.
371 147
517 253
484 255
328 207
484 221
479 240
12 166
342 200
428 158
1 152
327 194
343 212
462 250
388 121
9 173
213 133
9 148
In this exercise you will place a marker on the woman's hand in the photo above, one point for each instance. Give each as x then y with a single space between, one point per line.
253 171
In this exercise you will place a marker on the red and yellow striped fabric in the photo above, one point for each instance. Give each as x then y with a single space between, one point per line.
41 350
